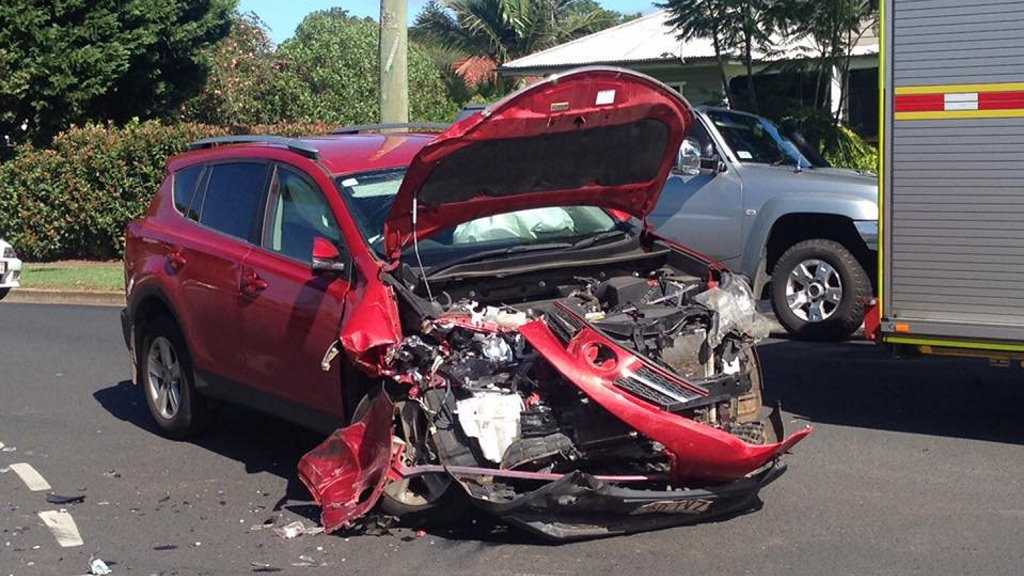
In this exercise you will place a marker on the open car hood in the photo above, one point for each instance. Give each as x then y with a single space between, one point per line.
595 136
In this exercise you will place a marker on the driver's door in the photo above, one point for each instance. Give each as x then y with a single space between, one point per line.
703 211
291 316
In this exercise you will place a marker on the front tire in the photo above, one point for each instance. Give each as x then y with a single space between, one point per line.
820 290
167 381
4 292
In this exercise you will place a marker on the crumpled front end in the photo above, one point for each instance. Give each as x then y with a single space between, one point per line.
627 404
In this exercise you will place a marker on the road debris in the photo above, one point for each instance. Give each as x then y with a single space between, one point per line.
263 567
98 567
296 529
59 499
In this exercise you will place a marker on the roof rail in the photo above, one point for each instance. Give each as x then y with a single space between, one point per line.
293 144
407 126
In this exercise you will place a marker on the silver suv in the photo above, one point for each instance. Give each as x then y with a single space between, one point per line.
767 206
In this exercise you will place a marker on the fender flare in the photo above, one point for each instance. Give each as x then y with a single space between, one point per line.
755 253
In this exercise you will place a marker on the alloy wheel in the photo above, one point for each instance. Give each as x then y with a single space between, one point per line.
814 290
164 377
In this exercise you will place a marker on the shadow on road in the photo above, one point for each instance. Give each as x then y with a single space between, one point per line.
860 384
262 443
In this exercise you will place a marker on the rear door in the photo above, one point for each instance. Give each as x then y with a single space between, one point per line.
209 263
291 315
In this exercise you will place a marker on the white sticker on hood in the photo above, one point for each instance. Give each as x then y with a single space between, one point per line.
605 97
744 155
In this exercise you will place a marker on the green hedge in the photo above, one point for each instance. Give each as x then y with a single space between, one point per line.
74 199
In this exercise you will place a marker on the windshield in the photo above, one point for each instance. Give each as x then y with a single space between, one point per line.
754 139
370 197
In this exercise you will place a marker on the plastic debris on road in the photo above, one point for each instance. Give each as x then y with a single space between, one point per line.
296 529
59 499
98 567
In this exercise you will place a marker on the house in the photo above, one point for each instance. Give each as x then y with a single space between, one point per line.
649 45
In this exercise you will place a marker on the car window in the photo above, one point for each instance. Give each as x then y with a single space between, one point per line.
755 139
234 195
297 214
185 181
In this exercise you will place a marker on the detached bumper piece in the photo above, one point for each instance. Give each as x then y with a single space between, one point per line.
579 506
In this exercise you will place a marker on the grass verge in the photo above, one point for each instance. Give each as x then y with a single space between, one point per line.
74 275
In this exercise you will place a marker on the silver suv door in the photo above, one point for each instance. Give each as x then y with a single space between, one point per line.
703 211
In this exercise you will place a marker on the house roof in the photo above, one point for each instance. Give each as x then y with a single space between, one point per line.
649 39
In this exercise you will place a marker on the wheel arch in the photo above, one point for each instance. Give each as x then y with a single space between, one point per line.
782 223
147 304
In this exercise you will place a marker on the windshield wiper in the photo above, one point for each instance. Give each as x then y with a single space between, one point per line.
601 237
488 254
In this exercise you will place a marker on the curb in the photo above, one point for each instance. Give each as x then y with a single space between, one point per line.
76 297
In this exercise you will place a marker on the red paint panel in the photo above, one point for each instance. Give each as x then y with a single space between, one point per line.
920 102
1001 100
347 472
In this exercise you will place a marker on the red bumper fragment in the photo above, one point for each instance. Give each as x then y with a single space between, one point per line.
698 452
347 472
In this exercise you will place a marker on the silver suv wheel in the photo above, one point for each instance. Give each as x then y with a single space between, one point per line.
814 290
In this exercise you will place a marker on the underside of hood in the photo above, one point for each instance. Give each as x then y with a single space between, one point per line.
595 136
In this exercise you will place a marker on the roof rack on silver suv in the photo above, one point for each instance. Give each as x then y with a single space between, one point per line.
293 144
396 127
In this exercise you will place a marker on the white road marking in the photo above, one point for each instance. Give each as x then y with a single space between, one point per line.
33 479
63 527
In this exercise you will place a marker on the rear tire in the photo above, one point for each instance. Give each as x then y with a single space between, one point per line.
167 381
820 290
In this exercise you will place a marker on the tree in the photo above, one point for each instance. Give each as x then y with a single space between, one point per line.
745 27
71 62
328 72
507 29
694 19
835 27
239 89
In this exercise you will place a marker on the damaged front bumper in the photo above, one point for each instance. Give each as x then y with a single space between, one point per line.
580 506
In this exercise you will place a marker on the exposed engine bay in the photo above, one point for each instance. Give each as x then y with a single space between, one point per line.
558 401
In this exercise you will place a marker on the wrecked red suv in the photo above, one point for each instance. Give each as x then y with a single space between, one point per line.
482 314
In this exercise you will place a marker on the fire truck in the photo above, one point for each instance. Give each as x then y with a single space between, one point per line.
951 184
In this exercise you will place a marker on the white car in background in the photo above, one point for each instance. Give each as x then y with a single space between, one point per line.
10 269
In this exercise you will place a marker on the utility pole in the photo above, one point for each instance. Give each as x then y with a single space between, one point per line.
394 65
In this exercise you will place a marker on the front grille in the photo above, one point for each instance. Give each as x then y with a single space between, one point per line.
657 389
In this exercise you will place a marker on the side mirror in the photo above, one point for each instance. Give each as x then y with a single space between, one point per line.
326 256
688 161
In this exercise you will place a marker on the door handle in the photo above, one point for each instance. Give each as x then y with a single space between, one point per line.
252 284
176 260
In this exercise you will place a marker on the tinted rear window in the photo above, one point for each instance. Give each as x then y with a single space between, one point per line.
185 181
233 199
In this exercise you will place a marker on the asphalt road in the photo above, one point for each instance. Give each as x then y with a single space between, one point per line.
916 467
